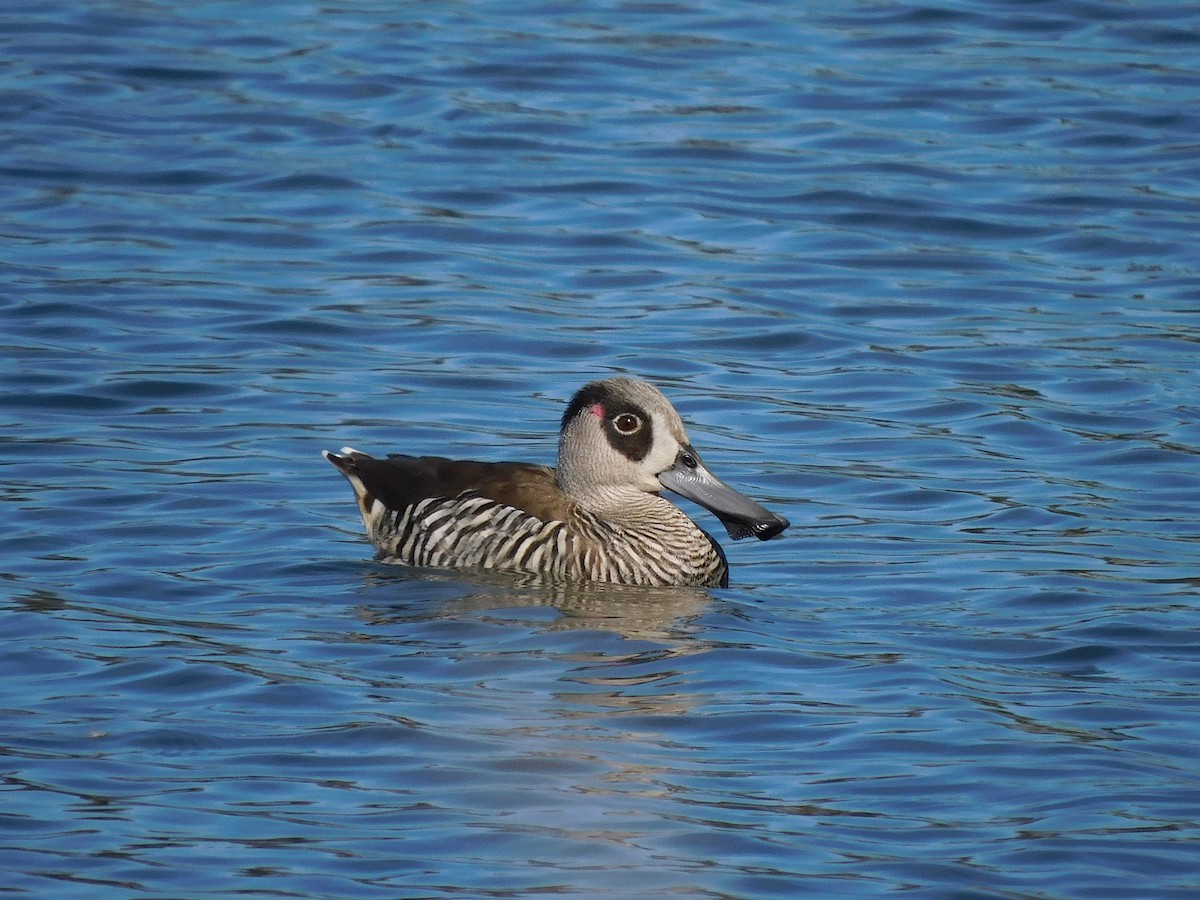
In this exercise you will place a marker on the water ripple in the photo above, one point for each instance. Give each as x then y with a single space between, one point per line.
921 278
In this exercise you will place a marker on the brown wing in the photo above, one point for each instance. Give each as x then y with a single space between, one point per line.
400 481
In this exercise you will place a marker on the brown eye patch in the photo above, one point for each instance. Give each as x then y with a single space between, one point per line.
629 432
626 426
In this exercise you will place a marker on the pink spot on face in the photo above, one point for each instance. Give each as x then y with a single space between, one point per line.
597 410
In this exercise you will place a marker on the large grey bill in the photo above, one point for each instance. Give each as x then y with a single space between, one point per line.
740 515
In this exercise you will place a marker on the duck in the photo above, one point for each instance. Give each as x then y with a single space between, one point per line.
599 515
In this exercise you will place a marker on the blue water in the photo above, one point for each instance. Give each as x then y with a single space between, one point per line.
924 279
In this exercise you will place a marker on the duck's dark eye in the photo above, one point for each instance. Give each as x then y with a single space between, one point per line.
627 423
688 460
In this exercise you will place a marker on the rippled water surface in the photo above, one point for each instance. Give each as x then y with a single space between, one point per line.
922 278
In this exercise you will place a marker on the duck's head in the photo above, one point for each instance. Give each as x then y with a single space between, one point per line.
622 436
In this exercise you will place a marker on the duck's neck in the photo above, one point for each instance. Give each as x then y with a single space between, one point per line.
631 509
640 538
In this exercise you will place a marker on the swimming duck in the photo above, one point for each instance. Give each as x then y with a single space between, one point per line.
598 516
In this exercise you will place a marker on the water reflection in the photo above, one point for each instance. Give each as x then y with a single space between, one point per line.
661 614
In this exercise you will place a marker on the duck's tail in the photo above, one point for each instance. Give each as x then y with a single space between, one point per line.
370 507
